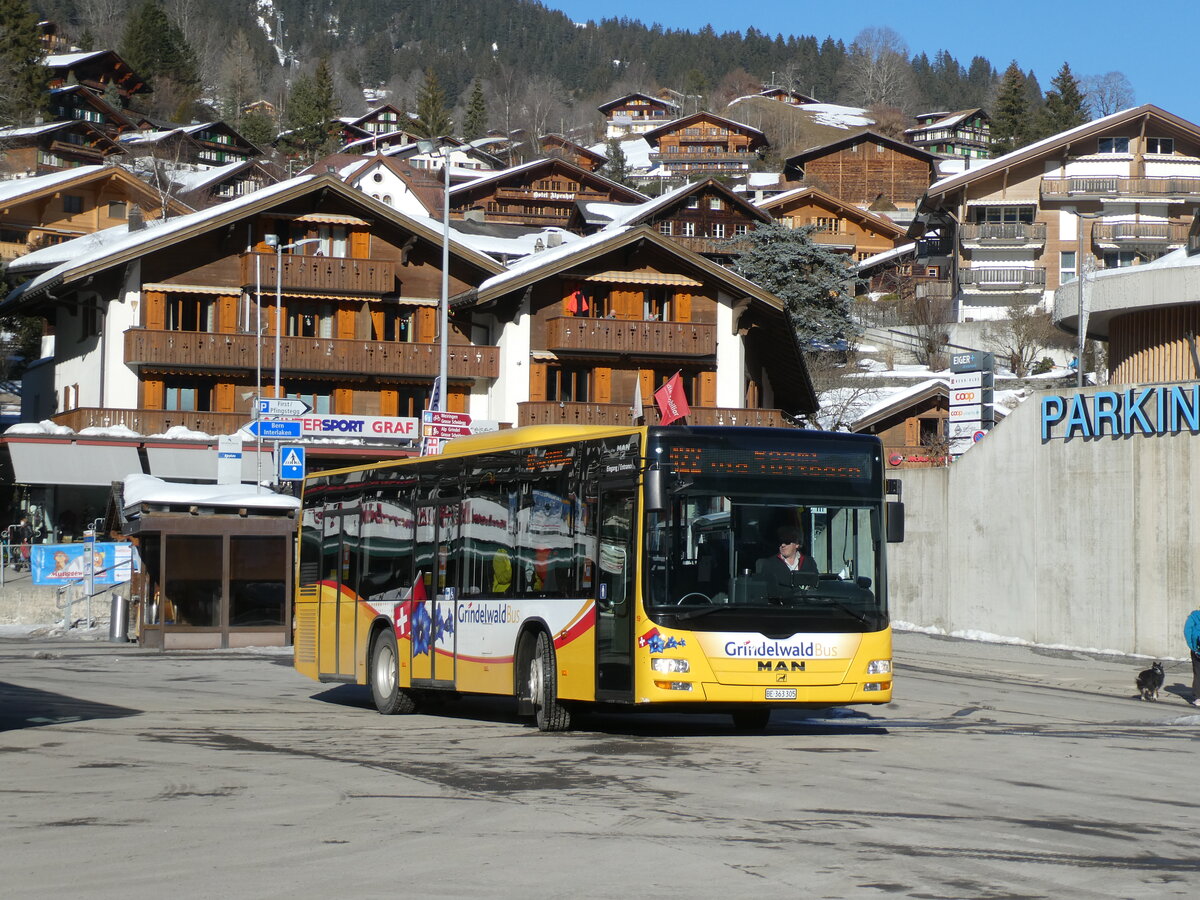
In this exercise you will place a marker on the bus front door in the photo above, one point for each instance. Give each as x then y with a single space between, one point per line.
435 593
615 593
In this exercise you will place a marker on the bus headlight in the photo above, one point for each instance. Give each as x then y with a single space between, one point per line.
879 667
670 665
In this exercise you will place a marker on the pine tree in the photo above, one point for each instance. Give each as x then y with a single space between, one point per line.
1066 107
1010 114
475 123
617 168
22 76
158 51
239 80
311 114
433 119
808 277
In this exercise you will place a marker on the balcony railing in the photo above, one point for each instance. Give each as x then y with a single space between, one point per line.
1112 186
1005 232
710 245
630 336
555 413
322 274
1139 232
153 421
320 356
934 290
1002 279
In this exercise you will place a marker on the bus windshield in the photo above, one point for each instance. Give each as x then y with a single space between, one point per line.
719 556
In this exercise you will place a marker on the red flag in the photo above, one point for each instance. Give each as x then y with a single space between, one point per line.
672 403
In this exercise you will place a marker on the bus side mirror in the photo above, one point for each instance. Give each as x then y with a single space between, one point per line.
895 521
656 499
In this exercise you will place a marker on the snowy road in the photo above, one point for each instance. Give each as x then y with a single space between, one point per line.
999 772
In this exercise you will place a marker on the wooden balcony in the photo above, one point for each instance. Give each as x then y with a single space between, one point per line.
621 414
1098 187
535 193
836 240
633 337
713 246
1139 233
310 356
934 290
153 421
996 233
1006 279
322 274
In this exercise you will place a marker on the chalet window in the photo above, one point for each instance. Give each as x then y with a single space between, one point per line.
828 224
1114 145
567 384
72 204
689 229
1119 259
190 312
879 148
740 230
933 271
656 304
187 395
718 230
693 203
315 394
310 320
1160 145
116 209
716 203
854 149
664 228
333 240
399 325
1004 215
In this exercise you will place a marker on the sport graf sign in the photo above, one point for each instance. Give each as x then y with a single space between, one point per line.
972 409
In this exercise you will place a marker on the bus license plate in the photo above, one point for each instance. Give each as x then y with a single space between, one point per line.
781 693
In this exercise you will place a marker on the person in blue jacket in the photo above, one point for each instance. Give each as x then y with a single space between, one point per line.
1191 634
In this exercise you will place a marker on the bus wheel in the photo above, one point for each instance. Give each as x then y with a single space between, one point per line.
548 710
751 719
385 677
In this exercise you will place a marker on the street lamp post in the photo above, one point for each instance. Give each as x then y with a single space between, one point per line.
1081 278
273 241
428 147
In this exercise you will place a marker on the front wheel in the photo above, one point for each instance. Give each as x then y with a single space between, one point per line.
548 710
385 678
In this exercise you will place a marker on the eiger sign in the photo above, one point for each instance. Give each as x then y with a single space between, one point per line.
1163 409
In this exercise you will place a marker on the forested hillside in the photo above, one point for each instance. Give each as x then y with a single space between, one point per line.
536 66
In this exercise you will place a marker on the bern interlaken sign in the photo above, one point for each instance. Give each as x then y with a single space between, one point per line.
1157 410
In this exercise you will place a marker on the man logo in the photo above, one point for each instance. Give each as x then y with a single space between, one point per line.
782 676
782 665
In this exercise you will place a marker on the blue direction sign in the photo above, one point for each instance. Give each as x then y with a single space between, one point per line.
291 463
274 430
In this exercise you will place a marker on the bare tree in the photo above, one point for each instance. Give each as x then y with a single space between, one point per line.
890 121
105 19
877 70
1108 93
843 395
1021 337
542 108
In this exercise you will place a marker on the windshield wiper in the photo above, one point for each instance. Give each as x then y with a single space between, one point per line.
842 607
697 613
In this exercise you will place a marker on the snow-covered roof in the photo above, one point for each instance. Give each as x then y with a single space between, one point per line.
886 255
148 489
512 247
16 188
195 178
549 257
86 245
32 129
66 60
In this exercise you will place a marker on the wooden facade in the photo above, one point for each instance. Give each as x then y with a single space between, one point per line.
705 143
967 132
53 147
836 224
637 113
558 146
97 71
76 102
540 193
866 169
913 427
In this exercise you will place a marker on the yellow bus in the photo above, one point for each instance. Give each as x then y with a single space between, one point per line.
639 567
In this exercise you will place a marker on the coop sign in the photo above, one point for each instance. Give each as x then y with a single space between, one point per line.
1162 409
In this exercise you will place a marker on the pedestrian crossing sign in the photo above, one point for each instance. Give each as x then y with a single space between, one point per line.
291 463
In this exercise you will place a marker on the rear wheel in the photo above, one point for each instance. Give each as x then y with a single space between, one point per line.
548 710
751 719
385 677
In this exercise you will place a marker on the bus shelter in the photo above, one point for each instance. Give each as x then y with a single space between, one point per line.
216 563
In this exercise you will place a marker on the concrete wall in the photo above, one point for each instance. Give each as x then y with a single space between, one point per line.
1087 543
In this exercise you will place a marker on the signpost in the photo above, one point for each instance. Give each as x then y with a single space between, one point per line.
438 427
972 408
281 408
273 429
291 463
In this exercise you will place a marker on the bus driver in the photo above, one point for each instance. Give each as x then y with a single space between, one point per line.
790 568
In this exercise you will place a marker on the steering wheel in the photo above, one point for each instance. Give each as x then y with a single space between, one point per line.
696 599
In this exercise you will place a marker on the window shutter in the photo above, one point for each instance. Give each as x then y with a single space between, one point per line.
360 244
683 306
389 403
224 397
343 401
377 323
228 315
537 382
708 389
154 310
345 323
457 399
152 394
646 383
627 304
602 381
426 325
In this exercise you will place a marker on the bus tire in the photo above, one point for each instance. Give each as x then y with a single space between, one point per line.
548 711
751 719
385 677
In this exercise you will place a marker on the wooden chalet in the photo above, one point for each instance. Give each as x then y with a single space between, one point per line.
590 325
706 217
966 132
204 187
539 193
705 144
637 113
76 102
50 209
835 223
58 145
866 169
912 425
95 70
386 119
208 144
783 95
555 145
154 328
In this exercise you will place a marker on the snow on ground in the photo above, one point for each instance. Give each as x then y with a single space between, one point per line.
838 116
986 637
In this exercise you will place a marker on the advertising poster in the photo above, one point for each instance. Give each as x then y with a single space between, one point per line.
58 563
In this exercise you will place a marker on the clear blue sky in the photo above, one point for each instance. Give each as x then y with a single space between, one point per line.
1152 43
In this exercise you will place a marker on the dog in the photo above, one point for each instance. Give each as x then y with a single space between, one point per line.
1150 681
